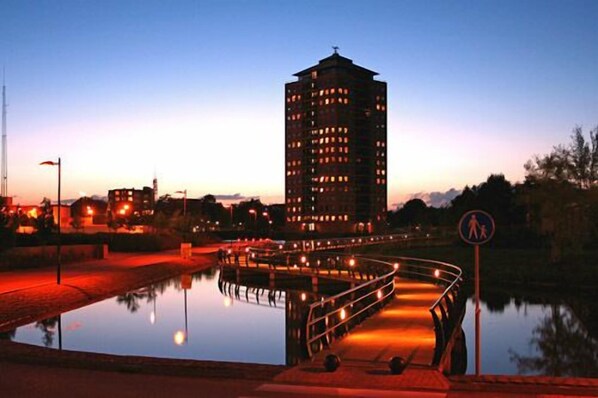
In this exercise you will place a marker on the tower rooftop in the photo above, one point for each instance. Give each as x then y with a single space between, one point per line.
335 61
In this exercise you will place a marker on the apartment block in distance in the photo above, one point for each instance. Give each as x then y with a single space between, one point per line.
336 153
131 201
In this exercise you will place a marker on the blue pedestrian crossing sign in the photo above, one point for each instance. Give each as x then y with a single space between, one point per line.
476 227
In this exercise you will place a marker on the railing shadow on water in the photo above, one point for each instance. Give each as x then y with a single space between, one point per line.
373 287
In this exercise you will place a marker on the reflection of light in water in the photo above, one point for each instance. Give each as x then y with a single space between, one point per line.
179 337
303 297
228 301
152 317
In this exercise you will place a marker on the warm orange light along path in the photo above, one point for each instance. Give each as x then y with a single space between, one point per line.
404 328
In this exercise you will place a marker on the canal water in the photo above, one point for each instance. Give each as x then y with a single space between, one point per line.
201 317
179 318
534 334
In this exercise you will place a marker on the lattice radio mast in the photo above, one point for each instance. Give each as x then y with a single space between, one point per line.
4 190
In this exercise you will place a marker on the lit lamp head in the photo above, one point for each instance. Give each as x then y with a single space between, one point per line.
179 337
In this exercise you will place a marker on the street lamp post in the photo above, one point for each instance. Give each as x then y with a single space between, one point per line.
58 248
184 201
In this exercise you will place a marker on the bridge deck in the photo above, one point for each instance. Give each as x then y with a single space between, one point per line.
337 274
403 328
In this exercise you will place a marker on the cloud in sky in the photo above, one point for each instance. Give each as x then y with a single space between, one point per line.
236 196
433 199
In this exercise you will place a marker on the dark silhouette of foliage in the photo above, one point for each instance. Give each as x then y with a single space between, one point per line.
45 224
8 226
77 222
576 163
414 212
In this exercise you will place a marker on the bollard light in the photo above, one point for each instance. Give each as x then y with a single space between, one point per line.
343 314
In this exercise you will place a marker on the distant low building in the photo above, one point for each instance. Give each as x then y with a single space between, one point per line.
89 210
130 201
65 215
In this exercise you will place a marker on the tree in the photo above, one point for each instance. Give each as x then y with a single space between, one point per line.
560 191
497 197
464 202
582 169
112 223
8 226
576 164
413 213
45 220
77 223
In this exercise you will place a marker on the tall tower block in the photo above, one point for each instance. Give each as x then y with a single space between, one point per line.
335 155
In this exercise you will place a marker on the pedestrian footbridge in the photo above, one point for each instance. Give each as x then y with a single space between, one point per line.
363 308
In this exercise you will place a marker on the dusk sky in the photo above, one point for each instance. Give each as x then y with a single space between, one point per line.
194 91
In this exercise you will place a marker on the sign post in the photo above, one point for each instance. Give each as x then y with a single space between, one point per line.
476 227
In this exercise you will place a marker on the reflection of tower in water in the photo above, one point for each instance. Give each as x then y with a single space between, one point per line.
257 290
296 309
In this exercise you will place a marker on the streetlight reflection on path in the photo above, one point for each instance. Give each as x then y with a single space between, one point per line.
58 248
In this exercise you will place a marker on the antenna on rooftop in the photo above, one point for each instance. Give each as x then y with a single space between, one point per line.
155 186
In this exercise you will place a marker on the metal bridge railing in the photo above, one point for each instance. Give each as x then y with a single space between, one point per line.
239 246
336 315
447 311
374 274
